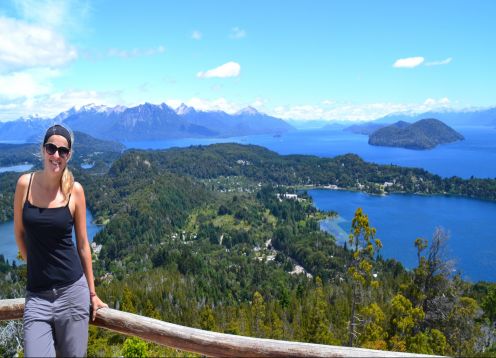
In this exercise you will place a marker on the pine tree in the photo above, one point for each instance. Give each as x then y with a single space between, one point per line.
207 319
364 247
373 335
128 301
405 318
259 329
319 324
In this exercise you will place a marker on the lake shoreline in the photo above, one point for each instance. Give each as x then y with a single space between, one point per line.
400 219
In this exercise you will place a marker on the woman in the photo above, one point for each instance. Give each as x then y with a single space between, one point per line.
60 283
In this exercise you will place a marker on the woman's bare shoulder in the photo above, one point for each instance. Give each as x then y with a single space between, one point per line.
23 180
77 189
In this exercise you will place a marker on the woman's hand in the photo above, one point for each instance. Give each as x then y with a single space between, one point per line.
96 304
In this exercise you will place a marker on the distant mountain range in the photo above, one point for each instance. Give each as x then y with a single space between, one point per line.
423 134
147 122
153 122
476 117
364 128
483 117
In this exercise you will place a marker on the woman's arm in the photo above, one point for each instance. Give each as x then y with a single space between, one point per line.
19 197
83 246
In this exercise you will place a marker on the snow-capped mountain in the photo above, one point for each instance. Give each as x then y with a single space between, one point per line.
150 122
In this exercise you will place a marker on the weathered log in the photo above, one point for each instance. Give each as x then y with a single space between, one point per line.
11 309
205 342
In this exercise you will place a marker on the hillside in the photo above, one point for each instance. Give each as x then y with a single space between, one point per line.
223 255
208 237
423 134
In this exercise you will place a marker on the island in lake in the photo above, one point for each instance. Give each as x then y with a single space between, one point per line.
423 134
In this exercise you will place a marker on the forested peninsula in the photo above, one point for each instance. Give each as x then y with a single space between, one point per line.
222 238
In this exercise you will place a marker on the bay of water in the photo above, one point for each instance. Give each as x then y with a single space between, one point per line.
16 168
8 247
400 219
474 156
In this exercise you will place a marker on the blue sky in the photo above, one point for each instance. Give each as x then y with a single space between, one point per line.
343 60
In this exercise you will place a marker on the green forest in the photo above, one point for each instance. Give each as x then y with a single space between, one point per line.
208 237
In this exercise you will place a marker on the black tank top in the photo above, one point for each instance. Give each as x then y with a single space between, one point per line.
53 261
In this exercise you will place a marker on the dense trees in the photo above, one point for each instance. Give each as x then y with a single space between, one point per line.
179 247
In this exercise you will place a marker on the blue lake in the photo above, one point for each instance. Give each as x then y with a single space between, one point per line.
400 219
8 247
474 156
16 168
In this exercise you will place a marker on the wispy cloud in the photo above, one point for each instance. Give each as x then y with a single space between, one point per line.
434 103
28 83
114 52
92 55
357 112
237 33
28 46
34 51
409 62
196 35
60 15
51 104
230 69
437 63
259 103
341 111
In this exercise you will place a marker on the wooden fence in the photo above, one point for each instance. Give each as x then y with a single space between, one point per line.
205 342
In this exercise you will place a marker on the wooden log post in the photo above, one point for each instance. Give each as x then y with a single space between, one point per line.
206 342
11 309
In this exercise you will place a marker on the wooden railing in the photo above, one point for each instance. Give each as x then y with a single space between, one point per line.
205 342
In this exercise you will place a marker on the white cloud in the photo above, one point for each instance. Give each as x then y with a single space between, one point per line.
219 104
230 69
51 104
27 83
258 103
60 15
328 102
431 102
8 106
31 46
342 111
357 112
196 35
409 62
437 63
237 33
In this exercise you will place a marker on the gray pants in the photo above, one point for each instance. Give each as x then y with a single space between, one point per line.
56 321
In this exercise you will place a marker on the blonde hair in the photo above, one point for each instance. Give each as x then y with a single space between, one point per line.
66 182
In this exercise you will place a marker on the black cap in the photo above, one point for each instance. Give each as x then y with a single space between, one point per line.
58 130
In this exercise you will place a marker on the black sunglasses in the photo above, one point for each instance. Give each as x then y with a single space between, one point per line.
52 148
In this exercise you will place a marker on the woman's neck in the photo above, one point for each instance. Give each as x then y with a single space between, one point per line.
50 181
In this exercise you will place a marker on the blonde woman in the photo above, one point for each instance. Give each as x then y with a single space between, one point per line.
60 287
